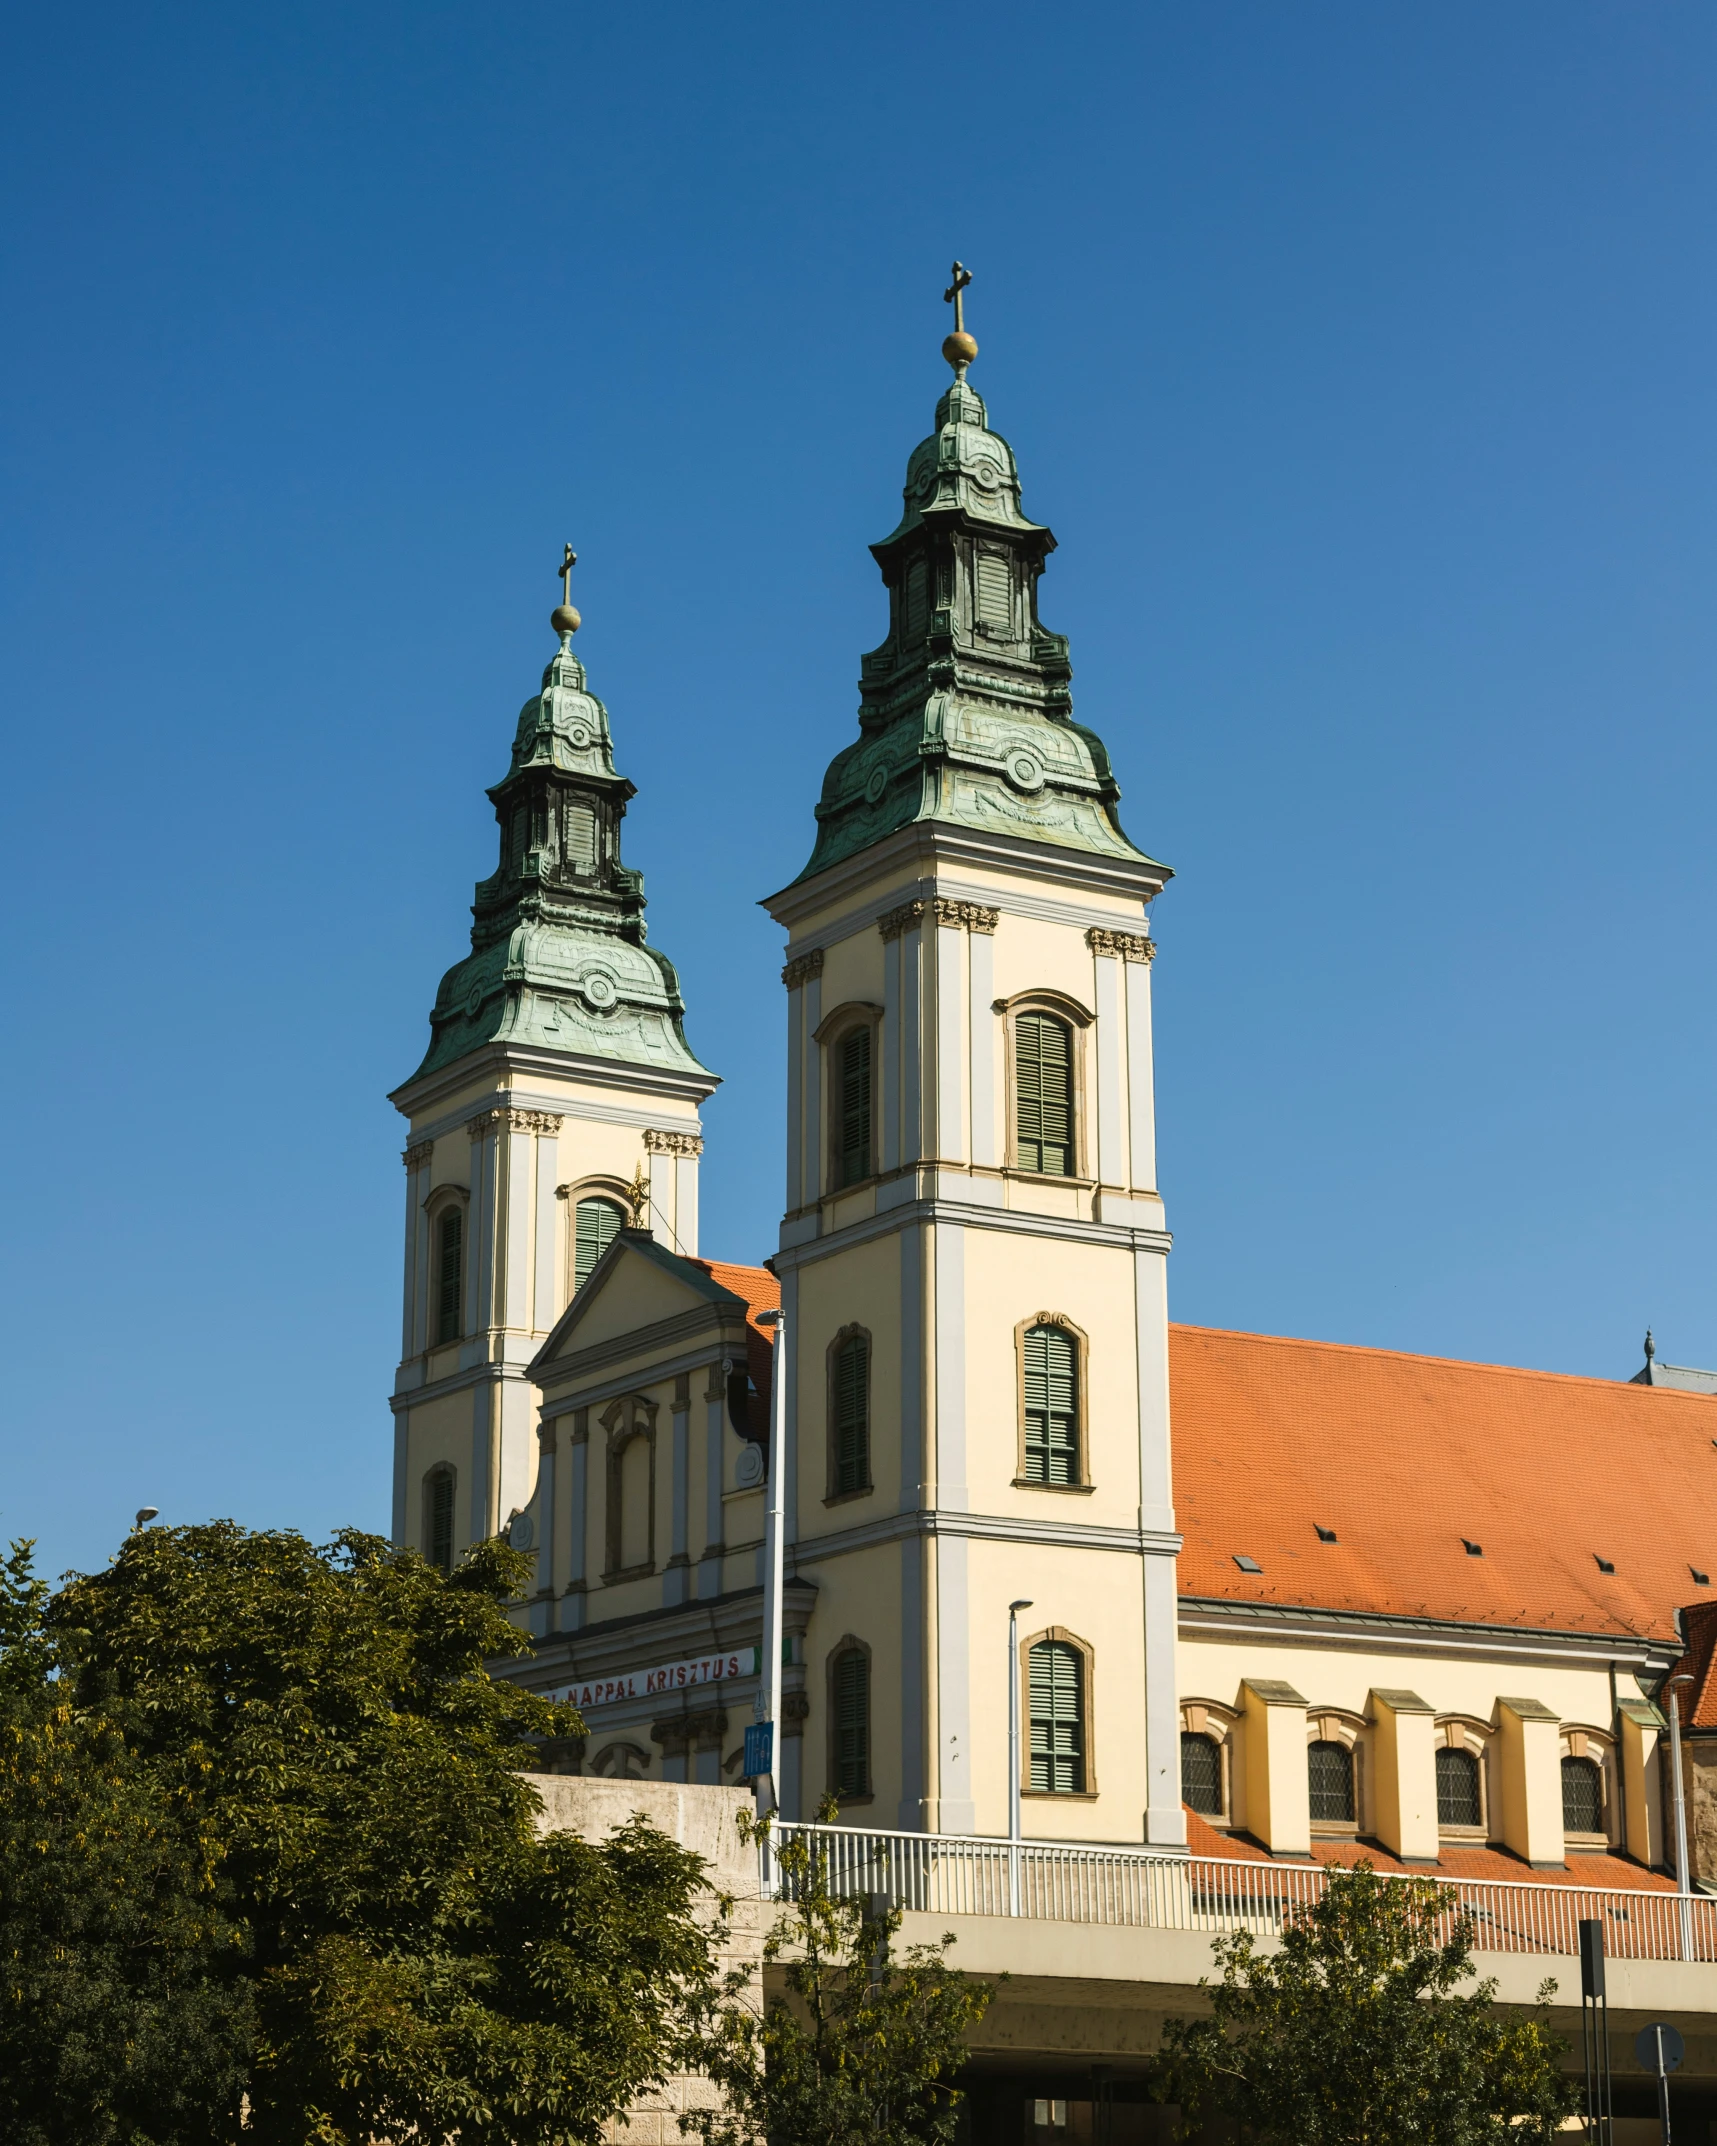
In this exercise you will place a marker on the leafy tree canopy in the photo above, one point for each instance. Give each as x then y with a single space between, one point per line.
862 2049
1355 2032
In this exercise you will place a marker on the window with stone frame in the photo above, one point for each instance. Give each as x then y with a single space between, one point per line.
596 1224
1201 1774
439 1486
1043 1095
1050 1399
849 1405
1057 1709
1459 1802
1329 1783
449 1275
1582 1796
849 1707
852 1084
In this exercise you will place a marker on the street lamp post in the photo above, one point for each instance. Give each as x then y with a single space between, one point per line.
1014 1609
1683 1877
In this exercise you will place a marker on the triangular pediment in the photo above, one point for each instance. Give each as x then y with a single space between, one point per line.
636 1285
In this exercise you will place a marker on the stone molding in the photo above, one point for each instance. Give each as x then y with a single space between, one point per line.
512 1121
415 1156
939 909
657 1142
1129 945
801 967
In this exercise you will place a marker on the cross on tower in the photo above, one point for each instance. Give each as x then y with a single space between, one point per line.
962 276
566 567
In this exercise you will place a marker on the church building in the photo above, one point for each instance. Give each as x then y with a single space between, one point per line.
1262 1597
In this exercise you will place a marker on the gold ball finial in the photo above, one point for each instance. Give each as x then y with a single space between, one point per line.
960 348
564 619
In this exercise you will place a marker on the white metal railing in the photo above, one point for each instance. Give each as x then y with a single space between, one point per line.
1054 1881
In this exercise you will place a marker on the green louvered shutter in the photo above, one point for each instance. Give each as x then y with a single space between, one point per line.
852 1414
596 1227
1057 1718
1051 1406
1043 1087
855 1105
450 1280
440 1519
852 1723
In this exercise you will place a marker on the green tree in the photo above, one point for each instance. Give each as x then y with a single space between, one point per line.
862 2048
1355 2032
123 2013
419 1962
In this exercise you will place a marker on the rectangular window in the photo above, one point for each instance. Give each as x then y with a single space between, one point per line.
1043 1093
852 1722
852 1414
450 1279
854 1105
1051 1406
438 1520
1057 1685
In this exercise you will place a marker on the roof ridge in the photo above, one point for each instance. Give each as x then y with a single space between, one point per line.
1414 1356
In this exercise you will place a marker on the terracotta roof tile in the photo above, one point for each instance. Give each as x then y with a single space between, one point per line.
1402 1458
1698 1706
1493 1863
762 1292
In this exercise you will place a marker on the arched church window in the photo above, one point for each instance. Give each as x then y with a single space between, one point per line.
1582 1796
850 1708
450 1275
1043 1094
1329 1779
438 1488
1056 1679
1051 1406
853 1106
1201 1774
1457 1788
595 1226
850 1397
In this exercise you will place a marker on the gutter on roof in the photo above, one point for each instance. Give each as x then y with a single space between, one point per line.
1212 1617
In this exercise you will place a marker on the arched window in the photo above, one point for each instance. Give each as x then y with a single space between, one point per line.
1051 1406
852 1106
1201 1774
1057 1686
1329 1779
438 1487
1457 1788
850 1397
595 1226
1043 1094
450 1276
1582 1796
850 1695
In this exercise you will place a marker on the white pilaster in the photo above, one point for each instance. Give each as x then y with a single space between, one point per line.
548 1438
985 1104
676 1584
715 1412
1141 1086
1110 1166
947 981
891 1051
686 1203
578 1525
795 1094
911 1044
413 1311
812 1165
546 1227
513 1292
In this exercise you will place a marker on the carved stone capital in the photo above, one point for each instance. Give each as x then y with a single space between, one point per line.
907 917
657 1142
801 967
548 1436
1129 945
415 1156
533 1121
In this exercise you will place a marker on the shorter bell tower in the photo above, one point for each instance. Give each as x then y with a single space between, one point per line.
557 1103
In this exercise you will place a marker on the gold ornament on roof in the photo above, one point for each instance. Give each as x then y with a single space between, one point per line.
959 348
638 1196
563 618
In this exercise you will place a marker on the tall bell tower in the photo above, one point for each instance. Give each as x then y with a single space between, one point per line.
558 1101
973 1253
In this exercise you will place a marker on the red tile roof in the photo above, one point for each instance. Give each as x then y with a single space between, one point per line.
1697 1701
762 1292
1493 1863
1404 1457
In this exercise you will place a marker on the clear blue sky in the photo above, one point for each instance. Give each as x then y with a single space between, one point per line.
1362 360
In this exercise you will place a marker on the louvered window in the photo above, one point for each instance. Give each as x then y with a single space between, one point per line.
1201 1775
580 837
595 1227
450 1276
995 590
1457 1788
1051 1406
1329 1779
1057 1679
1582 1797
438 1518
1043 1087
853 1115
917 602
852 1414
852 1722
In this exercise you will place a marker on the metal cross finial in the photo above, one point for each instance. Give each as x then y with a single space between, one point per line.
566 567
962 276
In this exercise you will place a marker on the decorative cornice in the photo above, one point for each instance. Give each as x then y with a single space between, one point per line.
801 967
512 1121
907 917
415 1156
939 909
658 1142
1129 945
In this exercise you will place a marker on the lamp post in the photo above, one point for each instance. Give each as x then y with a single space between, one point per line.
1683 1879
774 1533
1014 1609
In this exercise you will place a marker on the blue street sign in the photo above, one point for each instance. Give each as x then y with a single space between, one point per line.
759 1749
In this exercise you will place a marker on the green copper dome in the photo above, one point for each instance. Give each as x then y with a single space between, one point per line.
965 712
558 958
